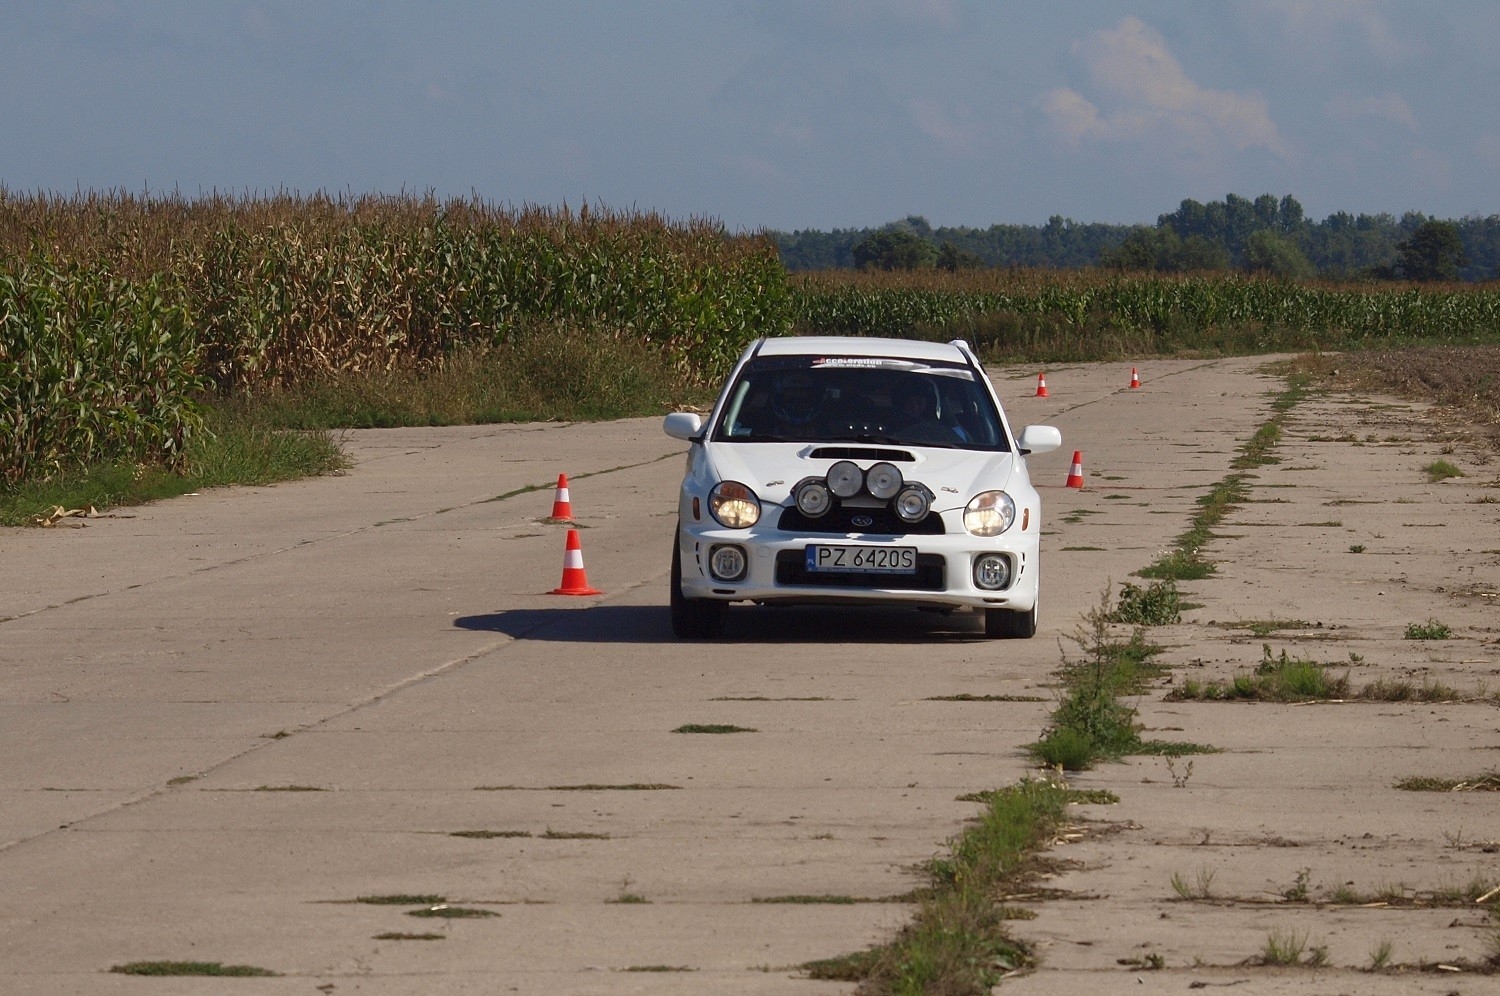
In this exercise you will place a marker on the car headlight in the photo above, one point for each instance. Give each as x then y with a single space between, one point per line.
734 505
989 513
845 479
884 480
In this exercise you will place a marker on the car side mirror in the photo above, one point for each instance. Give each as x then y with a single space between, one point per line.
1036 439
688 425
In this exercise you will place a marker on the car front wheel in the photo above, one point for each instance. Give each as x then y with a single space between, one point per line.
1006 624
694 618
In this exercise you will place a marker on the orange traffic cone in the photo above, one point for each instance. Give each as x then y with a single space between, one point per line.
1135 379
562 505
1041 385
1075 475
574 580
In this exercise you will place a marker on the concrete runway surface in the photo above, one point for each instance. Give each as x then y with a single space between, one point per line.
227 717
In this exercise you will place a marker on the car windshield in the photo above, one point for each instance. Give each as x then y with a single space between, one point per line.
860 399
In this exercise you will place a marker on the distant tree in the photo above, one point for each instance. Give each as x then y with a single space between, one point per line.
1432 252
1277 255
894 249
950 257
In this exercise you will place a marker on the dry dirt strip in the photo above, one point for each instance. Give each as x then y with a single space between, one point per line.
228 718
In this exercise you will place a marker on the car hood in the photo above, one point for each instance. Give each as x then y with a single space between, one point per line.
771 470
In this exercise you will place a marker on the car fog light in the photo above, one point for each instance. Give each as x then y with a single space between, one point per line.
912 504
989 513
845 479
734 505
884 480
813 499
991 571
727 563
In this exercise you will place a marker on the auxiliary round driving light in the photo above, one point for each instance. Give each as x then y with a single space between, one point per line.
991 571
845 479
727 563
813 499
912 504
884 480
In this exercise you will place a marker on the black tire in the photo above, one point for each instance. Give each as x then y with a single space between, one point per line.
1005 624
694 618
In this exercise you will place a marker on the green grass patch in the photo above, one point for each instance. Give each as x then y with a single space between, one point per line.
212 968
625 787
957 942
443 911
1276 679
1441 470
238 446
714 728
1257 450
1487 782
967 697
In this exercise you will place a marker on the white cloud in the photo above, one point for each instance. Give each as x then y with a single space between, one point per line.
1389 106
1317 24
954 131
1150 98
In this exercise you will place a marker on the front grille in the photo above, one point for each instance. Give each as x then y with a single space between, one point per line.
931 575
840 521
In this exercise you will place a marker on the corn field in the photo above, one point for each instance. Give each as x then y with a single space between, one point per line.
119 314
117 311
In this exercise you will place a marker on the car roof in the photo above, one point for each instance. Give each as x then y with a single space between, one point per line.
833 345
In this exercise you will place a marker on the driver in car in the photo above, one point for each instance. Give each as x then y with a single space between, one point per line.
916 402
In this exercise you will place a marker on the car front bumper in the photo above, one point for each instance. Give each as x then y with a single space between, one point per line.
776 568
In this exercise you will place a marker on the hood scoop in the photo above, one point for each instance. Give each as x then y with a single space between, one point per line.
860 453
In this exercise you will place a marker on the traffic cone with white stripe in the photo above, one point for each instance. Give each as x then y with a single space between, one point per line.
574 580
1075 475
562 505
1041 385
1135 379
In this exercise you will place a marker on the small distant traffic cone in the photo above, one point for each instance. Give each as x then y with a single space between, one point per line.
1041 385
1075 475
562 505
574 580
1135 379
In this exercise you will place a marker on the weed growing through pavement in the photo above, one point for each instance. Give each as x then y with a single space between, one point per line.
1356 548
489 834
1179 779
1286 947
211 968
626 897
395 935
1201 888
713 728
1380 954
401 899
957 941
1157 604
1090 722
1298 891
1430 630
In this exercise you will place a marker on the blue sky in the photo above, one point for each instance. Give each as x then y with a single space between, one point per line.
768 113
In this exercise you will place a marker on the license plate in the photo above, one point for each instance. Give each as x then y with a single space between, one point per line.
874 559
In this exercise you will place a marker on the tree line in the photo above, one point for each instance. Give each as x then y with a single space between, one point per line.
1264 235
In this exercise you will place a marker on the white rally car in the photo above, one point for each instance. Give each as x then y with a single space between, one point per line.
857 471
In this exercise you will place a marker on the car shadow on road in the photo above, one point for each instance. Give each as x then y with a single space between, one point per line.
746 624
